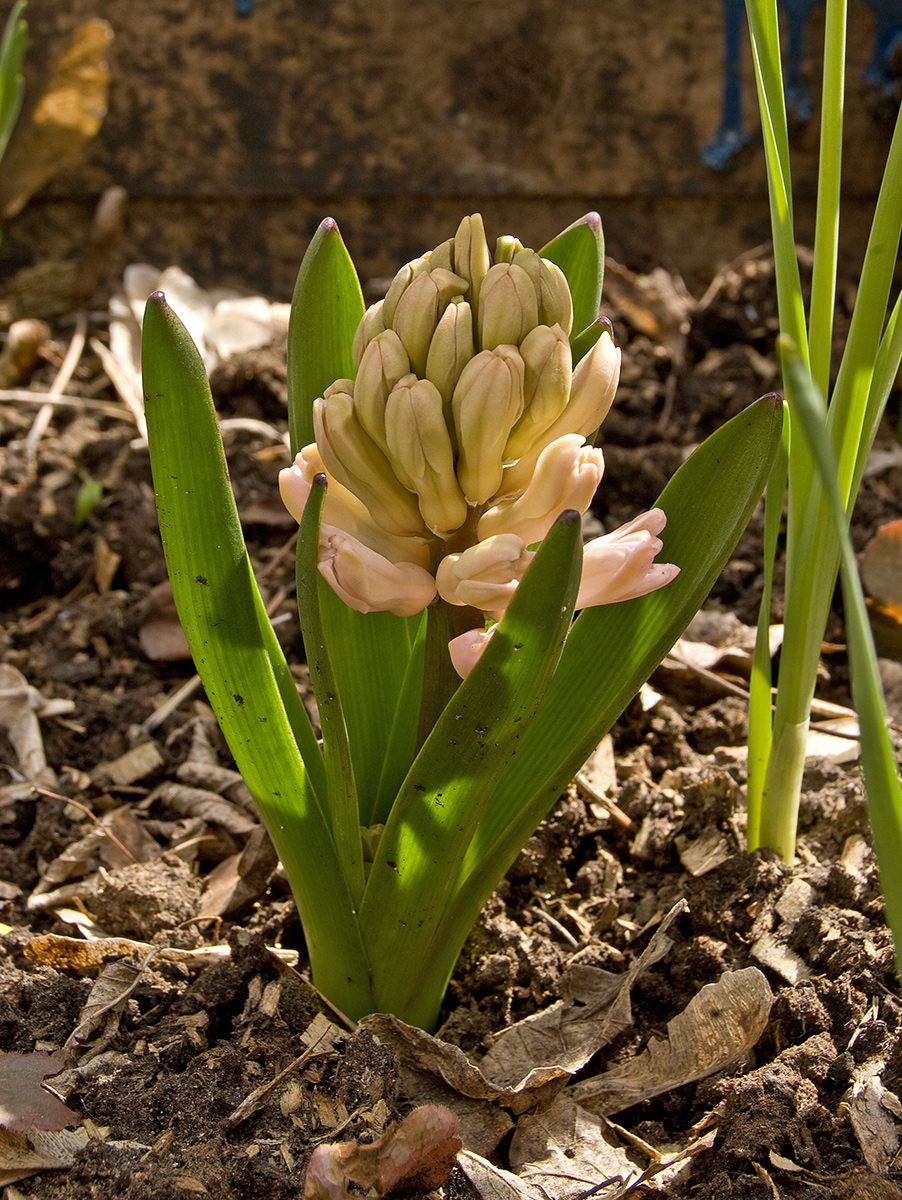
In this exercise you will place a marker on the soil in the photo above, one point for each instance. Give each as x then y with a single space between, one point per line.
158 1081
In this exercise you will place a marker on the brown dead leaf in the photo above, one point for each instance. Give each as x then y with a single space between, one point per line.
564 1141
68 113
241 878
415 1156
161 635
715 1029
566 1035
24 1103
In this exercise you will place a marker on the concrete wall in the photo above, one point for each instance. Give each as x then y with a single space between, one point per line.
234 137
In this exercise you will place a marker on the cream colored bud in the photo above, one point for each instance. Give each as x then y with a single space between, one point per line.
485 575
487 402
508 307
353 458
552 289
420 309
506 247
591 395
442 256
451 348
384 362
471 255
595 381
343 510
546 389
566 477
399 285
368 582
371 324
466 649
419 448
620 566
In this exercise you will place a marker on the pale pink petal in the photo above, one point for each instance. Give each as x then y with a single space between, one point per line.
466 649
369 582
621 566
485 575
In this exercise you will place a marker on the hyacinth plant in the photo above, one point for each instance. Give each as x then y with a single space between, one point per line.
12 83
442 460
827 448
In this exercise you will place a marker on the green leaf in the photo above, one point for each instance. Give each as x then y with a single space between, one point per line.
325 311
341 790
454 777
368 652
878 757
613 649
236 652
579 252
12 84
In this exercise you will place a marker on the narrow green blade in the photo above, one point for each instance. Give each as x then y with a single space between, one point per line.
878 757
12 84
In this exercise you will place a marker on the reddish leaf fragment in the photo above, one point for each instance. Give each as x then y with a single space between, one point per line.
416 1155
881 565
24 1104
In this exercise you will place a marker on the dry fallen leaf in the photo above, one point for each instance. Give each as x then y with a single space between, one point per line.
416 1155
716 1028
24 1103
69 112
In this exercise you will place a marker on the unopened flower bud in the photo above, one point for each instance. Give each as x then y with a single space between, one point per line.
353 458
419 448
506 247
368 582
485 575
620 566
591 395
566 476
343 510
442 256
466 649
546 388
487 401
384 362
594 386
508 307
371 324
451 348
552 289
399 285
419 309
471 255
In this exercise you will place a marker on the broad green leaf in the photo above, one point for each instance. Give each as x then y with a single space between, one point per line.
235 649
369 652
612 649
341 790
579 252
454 776
325 311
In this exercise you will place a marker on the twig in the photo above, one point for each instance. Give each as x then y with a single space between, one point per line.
63 375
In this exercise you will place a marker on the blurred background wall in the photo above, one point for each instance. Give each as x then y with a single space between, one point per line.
235 134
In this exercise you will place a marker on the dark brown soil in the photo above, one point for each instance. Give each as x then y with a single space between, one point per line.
159 1082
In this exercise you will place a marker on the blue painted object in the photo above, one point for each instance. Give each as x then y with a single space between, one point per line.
881 73
244 8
